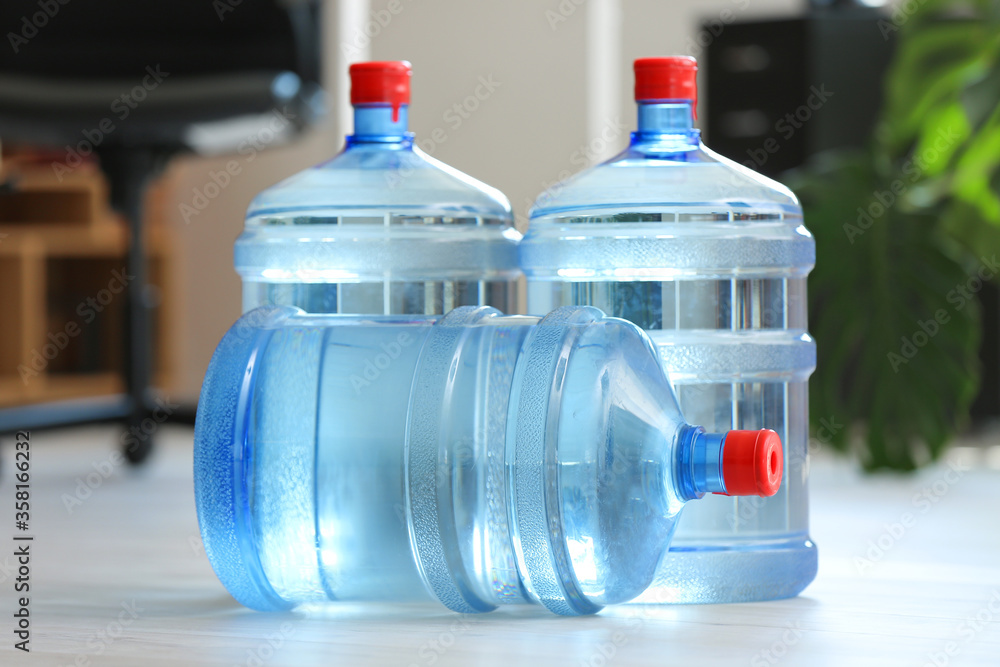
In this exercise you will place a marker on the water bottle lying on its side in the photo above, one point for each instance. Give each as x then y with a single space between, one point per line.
476 458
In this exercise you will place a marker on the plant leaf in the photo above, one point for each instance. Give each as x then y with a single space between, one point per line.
896 343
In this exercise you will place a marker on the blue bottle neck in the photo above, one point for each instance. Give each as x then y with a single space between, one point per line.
665 122
699 463
381 124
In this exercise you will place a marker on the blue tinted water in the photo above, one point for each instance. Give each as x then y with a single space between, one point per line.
477 459
711 260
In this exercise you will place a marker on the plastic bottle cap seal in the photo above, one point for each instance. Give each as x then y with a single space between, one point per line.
670 78
385 82
752 463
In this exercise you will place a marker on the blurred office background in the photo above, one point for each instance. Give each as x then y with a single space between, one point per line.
519 94
559 99
522 94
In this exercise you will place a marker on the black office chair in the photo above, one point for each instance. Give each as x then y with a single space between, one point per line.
211 73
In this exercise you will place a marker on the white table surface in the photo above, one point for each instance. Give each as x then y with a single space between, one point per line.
122 580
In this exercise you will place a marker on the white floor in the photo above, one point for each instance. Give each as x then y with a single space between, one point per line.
119 578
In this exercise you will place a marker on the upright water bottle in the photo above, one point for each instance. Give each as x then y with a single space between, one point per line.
710 258
477 459
382 227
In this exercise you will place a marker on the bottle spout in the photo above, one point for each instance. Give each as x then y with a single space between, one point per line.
752 463
734 463
380 95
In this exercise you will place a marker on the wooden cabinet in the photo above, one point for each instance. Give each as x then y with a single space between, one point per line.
62 279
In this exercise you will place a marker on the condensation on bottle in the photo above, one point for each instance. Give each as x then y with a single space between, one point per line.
478 459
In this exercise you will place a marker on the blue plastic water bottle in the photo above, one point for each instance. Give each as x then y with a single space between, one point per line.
477 459
711 259
381 228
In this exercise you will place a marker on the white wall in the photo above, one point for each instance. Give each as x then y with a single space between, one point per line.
561 73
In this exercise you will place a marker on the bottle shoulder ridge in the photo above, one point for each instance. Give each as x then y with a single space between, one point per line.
633 178
416 178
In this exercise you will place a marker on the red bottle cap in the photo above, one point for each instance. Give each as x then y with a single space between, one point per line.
381 83
752 463
672 78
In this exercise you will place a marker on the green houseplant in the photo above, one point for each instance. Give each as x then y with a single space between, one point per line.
906 233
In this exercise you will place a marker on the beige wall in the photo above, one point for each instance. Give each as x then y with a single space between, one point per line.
562 77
